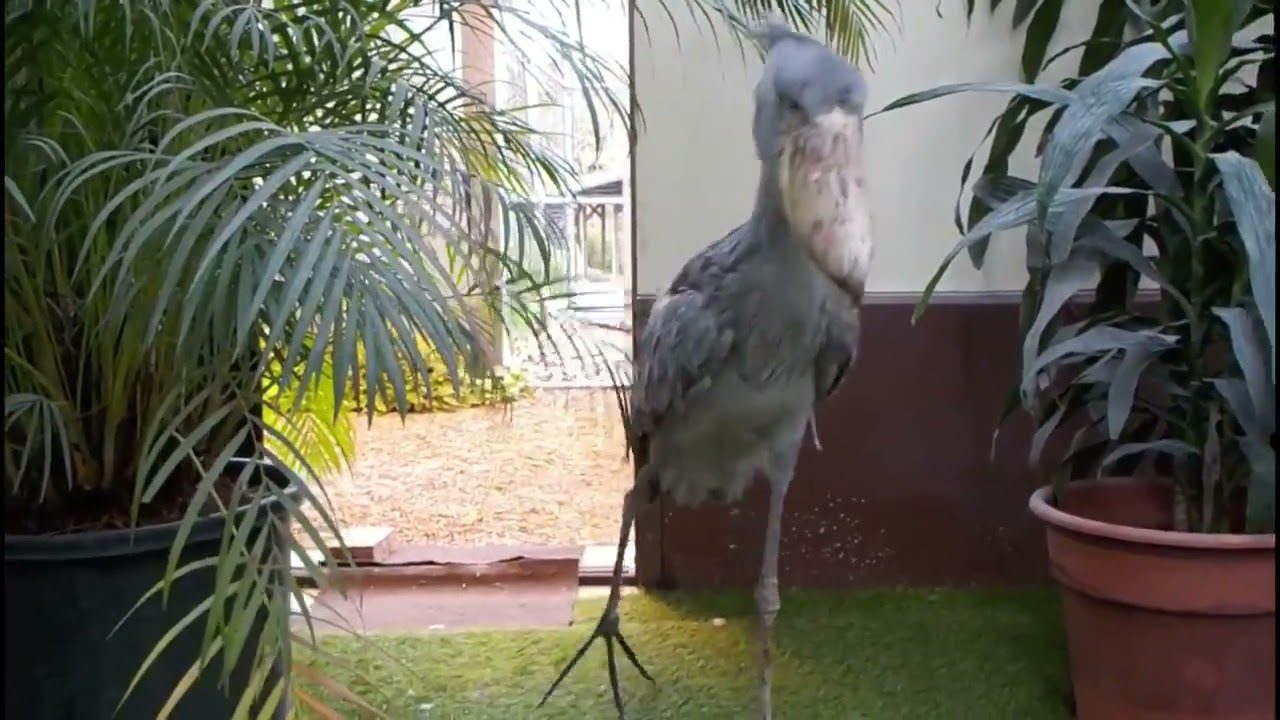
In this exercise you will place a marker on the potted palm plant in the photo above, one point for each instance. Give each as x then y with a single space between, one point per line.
217 214
1153 399
220 218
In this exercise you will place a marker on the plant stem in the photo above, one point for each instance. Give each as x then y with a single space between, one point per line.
1201 226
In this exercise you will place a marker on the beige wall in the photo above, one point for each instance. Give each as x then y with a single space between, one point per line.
696 170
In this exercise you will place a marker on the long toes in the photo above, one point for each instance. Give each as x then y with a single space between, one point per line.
635 661
613 679
609 631
567 669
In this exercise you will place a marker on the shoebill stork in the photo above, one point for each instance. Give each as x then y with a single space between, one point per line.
760 327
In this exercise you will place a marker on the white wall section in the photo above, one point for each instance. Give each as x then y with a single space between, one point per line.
696 171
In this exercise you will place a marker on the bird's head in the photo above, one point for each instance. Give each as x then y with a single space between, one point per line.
805 89
809 107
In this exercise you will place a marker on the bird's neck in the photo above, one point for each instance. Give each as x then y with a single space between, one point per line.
768 216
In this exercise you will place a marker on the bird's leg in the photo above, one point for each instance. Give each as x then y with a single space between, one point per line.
607 628
767 600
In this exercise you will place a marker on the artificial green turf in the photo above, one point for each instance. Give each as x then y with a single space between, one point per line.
892 655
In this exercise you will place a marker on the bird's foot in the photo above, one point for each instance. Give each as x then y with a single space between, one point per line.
607 629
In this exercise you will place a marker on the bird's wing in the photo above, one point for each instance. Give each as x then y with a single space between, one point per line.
839 348
680 352
686 345
836 355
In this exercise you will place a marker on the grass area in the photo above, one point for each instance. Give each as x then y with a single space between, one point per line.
885 655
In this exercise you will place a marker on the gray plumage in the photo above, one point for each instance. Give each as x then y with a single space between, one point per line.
737 352
760 326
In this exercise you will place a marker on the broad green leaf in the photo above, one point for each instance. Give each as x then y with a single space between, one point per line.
1006 133
1107 239
1260 512
1250 351
1141 137
1106 36
1043 27
996 190
1236 392
1018 211
1094 341
1120 393
1166 446
1022 9
1098 101
1265 148
1258 450
1211 24
1253 206
1064 282
1044 93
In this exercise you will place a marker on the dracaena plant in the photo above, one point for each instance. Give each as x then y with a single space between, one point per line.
1155 192
222 216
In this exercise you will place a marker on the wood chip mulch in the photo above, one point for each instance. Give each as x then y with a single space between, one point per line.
548 470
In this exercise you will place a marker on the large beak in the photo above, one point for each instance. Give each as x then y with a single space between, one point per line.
828 142
820 176
816 165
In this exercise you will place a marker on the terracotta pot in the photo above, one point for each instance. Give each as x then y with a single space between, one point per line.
1160 624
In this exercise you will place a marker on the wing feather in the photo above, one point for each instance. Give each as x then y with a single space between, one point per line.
838 350
681 350
684 343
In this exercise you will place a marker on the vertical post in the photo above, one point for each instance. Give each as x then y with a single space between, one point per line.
626 242
477 55
616 245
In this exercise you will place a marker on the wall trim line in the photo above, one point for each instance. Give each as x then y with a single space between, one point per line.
950 297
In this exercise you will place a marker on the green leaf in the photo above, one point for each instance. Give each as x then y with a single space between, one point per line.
1044 432
1064 233
1176 448
1100 99
996 190
1094 341
1260 511
1105 38
1064 282
1018 211
1107 239
1022 10
1264 151
1236 392
1124 385
1211 24
1043 27
1249 348
1256 444
1006 133
1044 93
1253 206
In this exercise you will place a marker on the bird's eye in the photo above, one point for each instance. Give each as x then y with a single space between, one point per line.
790 105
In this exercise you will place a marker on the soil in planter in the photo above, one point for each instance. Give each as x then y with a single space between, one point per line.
79 510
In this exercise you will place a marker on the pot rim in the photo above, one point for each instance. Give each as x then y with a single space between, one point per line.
1042 507
97 544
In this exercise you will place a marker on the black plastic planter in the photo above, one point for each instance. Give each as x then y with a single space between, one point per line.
64 595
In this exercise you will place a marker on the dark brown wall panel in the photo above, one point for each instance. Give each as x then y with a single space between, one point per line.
905 490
